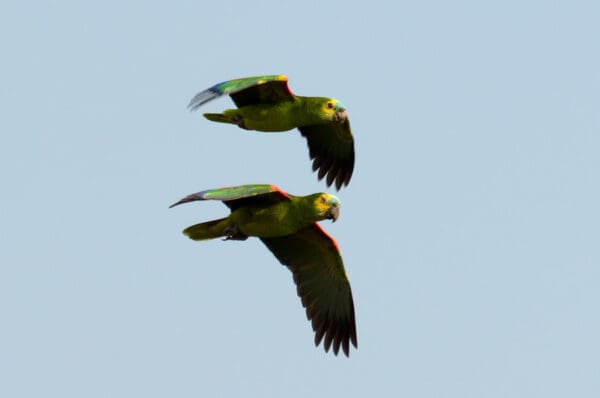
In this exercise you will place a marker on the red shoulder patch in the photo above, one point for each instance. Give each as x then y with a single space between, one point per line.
320 228
275 188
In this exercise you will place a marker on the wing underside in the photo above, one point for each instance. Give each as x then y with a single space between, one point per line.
331 146
322 284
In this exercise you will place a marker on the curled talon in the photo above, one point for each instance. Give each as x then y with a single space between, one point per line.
233 233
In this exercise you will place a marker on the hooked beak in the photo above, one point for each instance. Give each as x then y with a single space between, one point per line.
334 212
340 116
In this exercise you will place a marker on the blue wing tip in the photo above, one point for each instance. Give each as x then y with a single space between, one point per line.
203 97
190 198
225 87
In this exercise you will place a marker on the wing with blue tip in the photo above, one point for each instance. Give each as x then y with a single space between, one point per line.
247 91
235 197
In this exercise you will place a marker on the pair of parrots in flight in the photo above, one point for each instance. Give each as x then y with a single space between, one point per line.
288 224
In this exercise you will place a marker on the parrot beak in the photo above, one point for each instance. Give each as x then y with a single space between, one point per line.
334 212
340 116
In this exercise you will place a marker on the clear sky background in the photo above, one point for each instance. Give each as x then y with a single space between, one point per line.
470 229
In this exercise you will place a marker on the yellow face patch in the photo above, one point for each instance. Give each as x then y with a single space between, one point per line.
330 106
324 202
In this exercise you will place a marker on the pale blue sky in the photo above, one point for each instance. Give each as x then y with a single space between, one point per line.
470 229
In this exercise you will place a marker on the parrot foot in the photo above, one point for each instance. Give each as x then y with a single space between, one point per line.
239 121
233 233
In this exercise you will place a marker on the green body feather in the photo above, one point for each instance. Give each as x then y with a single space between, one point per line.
263 221
281 116
278 219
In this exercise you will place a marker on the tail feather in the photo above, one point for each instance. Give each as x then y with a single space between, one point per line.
218 117
207 230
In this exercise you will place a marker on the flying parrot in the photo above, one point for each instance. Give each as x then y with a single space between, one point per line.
287 225
265 103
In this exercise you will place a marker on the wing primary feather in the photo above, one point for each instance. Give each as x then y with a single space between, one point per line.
325 167
346 176
337 341
203 97
333 172
346 347
349 169
339 179
335 332
328 340
316 164
190 198
319 327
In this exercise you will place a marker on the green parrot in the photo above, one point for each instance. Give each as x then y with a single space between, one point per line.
287 225
265 103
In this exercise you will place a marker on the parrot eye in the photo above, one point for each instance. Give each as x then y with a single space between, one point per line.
330 105
323 199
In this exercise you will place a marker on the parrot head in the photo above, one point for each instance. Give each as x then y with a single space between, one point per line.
334 110
327 206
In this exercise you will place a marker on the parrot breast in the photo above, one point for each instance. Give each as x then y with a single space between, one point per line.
268 118
282 116
279 219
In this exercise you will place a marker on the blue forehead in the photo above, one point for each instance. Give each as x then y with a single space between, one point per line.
334 200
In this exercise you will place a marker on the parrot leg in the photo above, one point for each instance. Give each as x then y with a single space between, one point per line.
233 233
237 119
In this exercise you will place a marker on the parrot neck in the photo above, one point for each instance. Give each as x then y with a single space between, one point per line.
306 209
309 111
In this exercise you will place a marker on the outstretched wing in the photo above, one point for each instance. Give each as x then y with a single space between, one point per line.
331 145
247 91
235 197
315 261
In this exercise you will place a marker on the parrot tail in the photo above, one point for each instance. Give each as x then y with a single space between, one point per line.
219 117
207 230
